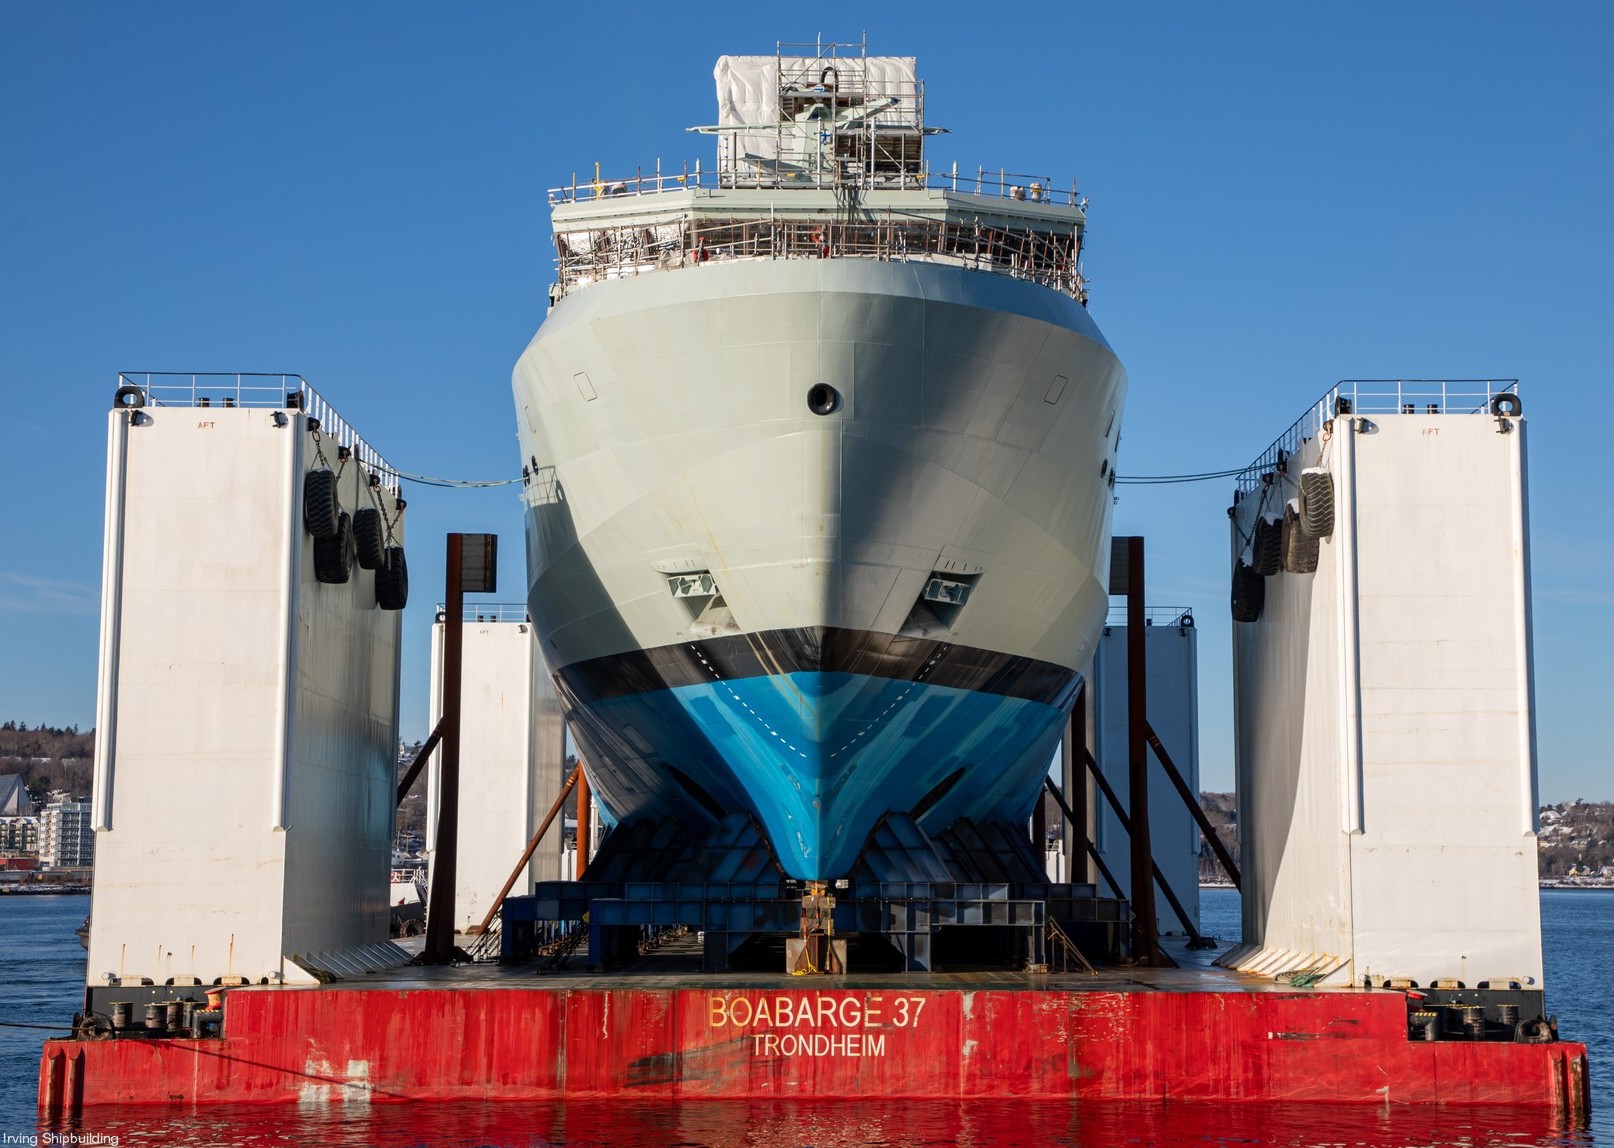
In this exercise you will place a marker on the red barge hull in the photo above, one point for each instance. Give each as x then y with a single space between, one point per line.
374 1044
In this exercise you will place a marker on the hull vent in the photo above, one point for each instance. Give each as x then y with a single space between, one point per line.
708 612
939 604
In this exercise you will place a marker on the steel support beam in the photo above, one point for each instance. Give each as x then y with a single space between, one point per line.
1039 832
585 819
421 756
440 909
1190 800
1194 935
1081 836
532 847
1145 927
1076 781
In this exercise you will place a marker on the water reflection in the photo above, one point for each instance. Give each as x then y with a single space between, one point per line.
824 1124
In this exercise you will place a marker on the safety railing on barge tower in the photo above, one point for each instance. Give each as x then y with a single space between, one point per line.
1376 397
266 390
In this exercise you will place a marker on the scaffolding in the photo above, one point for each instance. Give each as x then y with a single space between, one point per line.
841 134
634 248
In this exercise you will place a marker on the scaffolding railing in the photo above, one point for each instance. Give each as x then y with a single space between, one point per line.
1374 397
1051 258
495 612
263 390
1181 616
996 183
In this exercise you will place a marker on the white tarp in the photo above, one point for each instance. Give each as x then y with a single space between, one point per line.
748 90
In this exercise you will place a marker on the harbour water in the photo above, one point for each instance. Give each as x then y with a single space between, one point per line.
44 968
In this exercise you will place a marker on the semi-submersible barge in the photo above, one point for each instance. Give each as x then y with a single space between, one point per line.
818 456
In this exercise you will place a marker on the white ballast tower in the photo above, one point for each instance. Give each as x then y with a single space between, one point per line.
247 723
512 759
1171 645
1385 725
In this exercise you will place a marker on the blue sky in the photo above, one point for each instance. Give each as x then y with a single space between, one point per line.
1282 196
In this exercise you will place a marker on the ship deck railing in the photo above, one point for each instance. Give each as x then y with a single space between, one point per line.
494 612
1047 257
1180 616
1000 183
1374 397
263 390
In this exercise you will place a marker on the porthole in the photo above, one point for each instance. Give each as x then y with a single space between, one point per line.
823 399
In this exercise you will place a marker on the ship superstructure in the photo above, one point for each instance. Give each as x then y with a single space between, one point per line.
819 446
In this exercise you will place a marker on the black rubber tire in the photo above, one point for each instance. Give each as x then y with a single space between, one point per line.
369 538
1299 548
333 557
1266 550
322 510
392 581
1249 593
1317 503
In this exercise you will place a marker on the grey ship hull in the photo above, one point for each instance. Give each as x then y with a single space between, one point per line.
732 588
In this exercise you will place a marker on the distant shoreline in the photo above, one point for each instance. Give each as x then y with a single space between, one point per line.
1599 886
85 890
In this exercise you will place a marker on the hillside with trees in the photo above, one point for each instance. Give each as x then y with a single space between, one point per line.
411 825
1576 839
48 759
1222 811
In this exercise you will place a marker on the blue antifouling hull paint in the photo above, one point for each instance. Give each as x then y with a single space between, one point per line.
819 758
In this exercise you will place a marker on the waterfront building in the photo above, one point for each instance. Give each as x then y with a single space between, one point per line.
66 840
14 799
19 836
